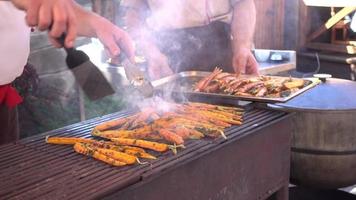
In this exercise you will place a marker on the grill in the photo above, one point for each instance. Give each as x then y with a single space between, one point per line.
253 163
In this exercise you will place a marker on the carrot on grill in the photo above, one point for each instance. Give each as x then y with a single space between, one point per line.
117 155
170 136
161 147
155 146
110 124
67 140
115 133
134 151
83 149
140 154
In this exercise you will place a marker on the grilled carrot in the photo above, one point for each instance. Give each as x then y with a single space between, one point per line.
83 149
191 132
117 155
110 124
134 151
67 140
182 132
139 154
215 107
139 133
155 146
115 133
171 136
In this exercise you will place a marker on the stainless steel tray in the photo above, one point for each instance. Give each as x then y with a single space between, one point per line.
183 83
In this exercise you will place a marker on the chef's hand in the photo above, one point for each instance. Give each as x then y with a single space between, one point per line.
66 16
57 14
243 61
112 37
158 66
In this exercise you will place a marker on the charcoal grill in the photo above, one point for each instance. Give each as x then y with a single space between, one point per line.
253 163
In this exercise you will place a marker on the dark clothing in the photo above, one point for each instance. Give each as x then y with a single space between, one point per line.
9 129
198 48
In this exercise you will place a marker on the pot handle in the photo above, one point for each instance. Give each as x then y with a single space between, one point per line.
277 107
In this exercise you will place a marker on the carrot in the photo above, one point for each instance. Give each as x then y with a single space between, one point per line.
115 133
110 124
119 156
67 140
189 132
182 132
138 149
140 154
155 146
134 151
83 149
139 133
170 136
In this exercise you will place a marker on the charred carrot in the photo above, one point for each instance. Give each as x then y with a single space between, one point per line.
182 132
110 124
67 140
189 133
139 133
117 155
171 136
134 151
161 147
83 149
139 154
155 146
115 133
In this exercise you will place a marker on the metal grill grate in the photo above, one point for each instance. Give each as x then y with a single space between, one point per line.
32 169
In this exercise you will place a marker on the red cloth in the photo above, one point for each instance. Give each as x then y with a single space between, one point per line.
9 96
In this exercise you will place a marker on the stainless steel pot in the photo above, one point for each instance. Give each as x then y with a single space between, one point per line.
324 135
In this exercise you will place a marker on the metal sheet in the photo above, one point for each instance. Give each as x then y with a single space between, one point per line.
183 83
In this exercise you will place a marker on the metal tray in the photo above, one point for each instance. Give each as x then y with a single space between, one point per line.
182 84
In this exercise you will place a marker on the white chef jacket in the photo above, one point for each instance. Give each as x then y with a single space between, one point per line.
14 42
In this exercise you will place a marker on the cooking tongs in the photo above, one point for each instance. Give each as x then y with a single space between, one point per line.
136 77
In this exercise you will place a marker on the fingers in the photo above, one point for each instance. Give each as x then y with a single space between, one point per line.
239 65
44 17
71 29
57 16
59 23
125 42
245 62
109 43
252 66
33 12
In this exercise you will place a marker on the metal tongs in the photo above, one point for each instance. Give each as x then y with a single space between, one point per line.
136 77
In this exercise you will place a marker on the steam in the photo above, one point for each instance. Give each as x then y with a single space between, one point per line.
166 15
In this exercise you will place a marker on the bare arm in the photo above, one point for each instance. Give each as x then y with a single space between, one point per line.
66 16
242 29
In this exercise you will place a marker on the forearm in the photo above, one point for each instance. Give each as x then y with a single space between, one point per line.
243 24
87 19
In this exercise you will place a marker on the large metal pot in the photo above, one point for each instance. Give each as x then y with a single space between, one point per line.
324 135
